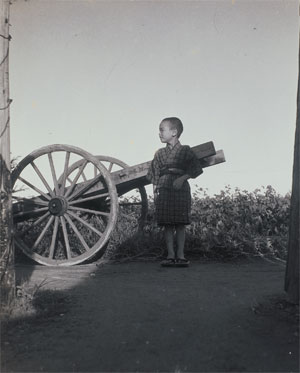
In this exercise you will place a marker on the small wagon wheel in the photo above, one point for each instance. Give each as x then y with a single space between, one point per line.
112 165
51 224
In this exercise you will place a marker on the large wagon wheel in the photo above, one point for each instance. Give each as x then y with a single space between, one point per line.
54 225
127 205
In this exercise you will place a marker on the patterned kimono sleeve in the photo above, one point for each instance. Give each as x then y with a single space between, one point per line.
153 172
194 168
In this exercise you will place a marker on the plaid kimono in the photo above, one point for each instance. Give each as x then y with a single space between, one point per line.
173 206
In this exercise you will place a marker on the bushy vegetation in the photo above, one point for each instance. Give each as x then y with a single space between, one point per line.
230 224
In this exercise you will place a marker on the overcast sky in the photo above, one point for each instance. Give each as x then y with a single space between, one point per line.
102 74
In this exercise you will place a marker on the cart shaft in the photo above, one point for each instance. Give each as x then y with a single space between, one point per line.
125 180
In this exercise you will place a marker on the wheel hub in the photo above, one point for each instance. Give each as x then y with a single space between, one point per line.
58 206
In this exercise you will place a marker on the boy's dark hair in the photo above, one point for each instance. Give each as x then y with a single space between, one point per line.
176 124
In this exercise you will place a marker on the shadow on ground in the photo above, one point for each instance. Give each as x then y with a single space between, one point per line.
211 317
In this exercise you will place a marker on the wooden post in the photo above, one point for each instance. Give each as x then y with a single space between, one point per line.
292 268
7 274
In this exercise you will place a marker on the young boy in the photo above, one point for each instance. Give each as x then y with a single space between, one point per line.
170 169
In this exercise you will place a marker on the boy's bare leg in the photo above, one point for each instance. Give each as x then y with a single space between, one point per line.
180 239
169 238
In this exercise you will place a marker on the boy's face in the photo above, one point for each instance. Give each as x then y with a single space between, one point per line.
166 133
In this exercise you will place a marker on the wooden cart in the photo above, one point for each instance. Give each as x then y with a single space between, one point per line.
67 201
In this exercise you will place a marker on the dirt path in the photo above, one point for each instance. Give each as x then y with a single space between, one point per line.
211 317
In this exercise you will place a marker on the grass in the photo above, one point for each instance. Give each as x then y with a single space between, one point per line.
35 302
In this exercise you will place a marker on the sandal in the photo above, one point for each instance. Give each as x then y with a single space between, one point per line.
168 262
182 262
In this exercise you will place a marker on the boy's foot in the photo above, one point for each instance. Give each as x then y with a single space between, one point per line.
182 262
169 262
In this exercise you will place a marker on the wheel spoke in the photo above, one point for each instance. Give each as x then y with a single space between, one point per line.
65 174
31 212
98 196
78 234
65 233
110 167
34 188
85 223
80 171
54 235
38 201
36 169
95 171
85 188
53 173
34 224
42 234
84 177
89 211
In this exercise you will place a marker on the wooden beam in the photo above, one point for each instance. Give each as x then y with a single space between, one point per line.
292 268
206 154
206 149
135 176
6 247
125 180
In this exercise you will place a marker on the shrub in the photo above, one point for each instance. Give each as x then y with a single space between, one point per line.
229 224
232 223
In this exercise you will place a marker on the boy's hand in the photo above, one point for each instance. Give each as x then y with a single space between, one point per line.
177 183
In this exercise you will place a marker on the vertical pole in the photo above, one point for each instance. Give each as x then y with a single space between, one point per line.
7 273
292 268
